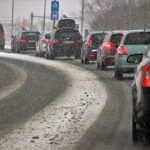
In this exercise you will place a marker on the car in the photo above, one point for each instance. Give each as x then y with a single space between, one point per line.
65 42
2 37
90 45
141 95
42 43
66 22
25 40
107 51
133 42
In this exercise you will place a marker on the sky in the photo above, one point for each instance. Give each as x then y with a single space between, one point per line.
23 8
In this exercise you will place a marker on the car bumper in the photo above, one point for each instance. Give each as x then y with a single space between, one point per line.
27 46
123 65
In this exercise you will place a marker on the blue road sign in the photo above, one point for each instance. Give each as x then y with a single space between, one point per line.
54 15
54 6
54 10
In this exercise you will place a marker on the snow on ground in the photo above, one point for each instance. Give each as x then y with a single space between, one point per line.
62 123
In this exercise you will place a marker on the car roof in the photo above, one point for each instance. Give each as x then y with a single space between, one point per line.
138 30
95 32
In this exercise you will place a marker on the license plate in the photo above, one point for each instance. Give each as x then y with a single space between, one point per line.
68 42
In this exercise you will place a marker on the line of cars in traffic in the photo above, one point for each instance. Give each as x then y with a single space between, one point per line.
65 40
125 50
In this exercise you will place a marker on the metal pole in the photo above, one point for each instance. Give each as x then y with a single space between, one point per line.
31 21
82 17
54 24
12 20
44 16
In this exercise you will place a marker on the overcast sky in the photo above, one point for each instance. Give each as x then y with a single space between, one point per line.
23 8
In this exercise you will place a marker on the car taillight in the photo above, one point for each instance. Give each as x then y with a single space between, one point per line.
90 41
145 79
22 40
122 50
107 46
44 41
55 42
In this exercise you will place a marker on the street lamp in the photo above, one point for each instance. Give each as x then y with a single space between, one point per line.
12 20
82 17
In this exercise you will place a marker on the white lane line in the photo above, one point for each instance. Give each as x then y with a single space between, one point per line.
60 125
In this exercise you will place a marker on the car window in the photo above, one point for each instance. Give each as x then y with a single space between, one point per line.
139 38
98 38
116 39
30 35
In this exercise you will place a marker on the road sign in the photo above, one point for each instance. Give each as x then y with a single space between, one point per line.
54 10
54 15
54 6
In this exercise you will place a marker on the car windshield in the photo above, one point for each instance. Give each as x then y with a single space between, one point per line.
140 38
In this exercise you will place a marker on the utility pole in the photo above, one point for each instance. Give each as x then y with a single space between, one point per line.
12 19
44 16
31 21
82 17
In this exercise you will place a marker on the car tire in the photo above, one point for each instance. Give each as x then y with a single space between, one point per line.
81 60
97 65
77 56
102 65
118 74
85 60
50 56
134 130
2 47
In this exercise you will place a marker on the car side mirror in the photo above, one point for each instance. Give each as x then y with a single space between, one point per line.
135 58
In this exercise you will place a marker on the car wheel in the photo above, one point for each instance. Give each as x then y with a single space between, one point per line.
118 74
134 130
85 60
77 56
97 65
2 47
102 65
50 56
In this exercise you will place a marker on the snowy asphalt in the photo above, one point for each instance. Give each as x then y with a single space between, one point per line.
53 108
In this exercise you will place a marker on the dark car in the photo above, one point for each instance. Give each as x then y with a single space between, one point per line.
24 41
42 44
65 42
2 37
107 51
67 22
90 45
141 96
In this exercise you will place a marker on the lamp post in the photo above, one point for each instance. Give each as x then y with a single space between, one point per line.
82 17
12 19
44 16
